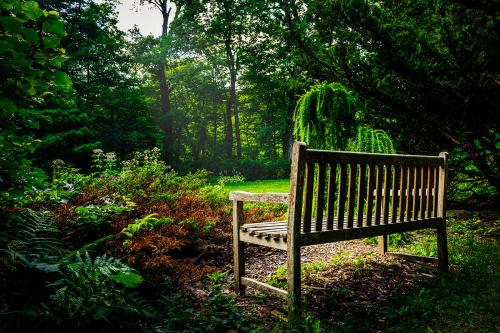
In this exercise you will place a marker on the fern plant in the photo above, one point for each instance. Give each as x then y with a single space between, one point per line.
31 239
93 290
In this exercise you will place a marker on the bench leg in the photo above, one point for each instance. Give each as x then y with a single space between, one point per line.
442 245
238 248
382 245
294 285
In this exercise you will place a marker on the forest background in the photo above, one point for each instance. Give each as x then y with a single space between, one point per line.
218 89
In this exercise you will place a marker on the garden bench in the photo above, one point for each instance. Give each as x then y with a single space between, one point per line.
337 196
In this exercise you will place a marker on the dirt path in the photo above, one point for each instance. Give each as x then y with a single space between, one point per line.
262 262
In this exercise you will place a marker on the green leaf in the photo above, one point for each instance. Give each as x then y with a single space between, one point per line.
33 124
55 26
6 5
62 80
30 35
7 105
51 42
46 267
53 13
31 10
128 279
101 312
11 24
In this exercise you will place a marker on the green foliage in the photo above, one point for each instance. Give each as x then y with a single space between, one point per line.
31 74
66 182
466 297
42 288
32 241
217 313
325 116
93 214
105 164
423 69
94 290
223 180
371 141
149 222
146 175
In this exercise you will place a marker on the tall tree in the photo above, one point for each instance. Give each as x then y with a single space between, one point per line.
223 25
165 119
414 62
113 109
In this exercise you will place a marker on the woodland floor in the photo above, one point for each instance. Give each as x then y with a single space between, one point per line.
358 284
349 287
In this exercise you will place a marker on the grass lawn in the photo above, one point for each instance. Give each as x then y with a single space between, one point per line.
261 186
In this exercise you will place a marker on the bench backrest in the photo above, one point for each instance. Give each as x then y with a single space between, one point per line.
339 190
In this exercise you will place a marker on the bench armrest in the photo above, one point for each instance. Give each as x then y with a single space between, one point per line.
278 198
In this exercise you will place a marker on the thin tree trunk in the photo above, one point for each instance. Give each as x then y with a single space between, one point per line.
234 101
215 133
228 122
165 114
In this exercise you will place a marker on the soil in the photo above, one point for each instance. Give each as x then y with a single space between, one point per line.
354 291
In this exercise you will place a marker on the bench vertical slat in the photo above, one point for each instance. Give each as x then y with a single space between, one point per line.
342 196
309 196
353 168
293 232
435 194
387 192
378 193
320 196
332 190
416 193
361 193
430 180
424 184
395 197
403 193
409 195
442 242
238 247
369 196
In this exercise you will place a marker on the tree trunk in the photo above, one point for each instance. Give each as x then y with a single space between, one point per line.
165 112
228 122
234 102
215 133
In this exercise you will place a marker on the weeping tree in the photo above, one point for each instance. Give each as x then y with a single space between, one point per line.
371 140
325 118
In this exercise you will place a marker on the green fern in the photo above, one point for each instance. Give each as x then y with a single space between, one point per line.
95 290
31 239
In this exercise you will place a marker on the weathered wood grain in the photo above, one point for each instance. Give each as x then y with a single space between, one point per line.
376 195
281 198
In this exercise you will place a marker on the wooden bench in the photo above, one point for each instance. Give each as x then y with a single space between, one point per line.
337 196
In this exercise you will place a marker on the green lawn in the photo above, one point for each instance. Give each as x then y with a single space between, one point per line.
261 186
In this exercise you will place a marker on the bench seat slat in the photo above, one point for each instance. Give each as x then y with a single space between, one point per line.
279 229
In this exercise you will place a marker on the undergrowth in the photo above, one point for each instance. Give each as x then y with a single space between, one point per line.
91 252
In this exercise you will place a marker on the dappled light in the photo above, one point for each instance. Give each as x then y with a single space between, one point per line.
249 166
